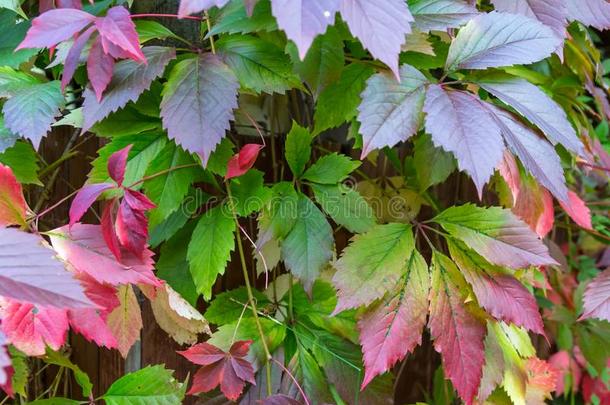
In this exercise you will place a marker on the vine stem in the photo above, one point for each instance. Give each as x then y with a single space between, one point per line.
207 21
251 299
162 172
187 17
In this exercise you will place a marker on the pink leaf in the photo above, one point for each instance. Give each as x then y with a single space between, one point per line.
117 162
117 28
83 247
243 161
458 335
55 26
125 322
73 57
30 272
188 7
30 328
12 203
6 368
541 378
502 295
45 5
597 297
138 201
393 327
577 210
566 366
108 231
229 370
85 199
99 68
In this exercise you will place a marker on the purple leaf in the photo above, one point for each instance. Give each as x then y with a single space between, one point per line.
460 123
536 106
85 199
595 13
99 68
129 80
500 39
117 162
198 102
597 297
5 366
391 111
537 155
303 20
188 7
552 13
31 111
441 14
73 57
497 235
29 272
502 295
393 327
55 26
381 26
117 28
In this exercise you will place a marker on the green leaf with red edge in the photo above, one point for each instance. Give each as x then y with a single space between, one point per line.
501 294
496 234
393 327
458 335
372 265
125 321
12 203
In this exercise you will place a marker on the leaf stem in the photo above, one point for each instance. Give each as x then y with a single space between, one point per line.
154 15
162 172
244 269
207 21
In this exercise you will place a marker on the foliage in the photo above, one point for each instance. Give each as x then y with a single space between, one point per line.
399 159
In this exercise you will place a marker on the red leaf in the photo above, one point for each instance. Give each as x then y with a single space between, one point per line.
597 297
85 199
91 323
502 295
131 226
138 201
30 328
595 386
55 26
83 247
117 28
73 57
578 211
117 162
243 160
458 335
6 368
108 231
99 68
12 203
565 366
393 327
229 370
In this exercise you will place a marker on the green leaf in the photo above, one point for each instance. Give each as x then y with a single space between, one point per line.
12 81
298 148
173 266
82 379
144 150
13 5
24 162
281 213
331 169
149 386
220 157
228 307
337 104
314 383
127 121
345 206
11 35
433 164
259 65
168 191
323 63
210 248
372 265
21 369
7 138
593 338
309 245
233 19
249 192
55 401
149 30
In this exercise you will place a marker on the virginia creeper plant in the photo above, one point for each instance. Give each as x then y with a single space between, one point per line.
380 175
